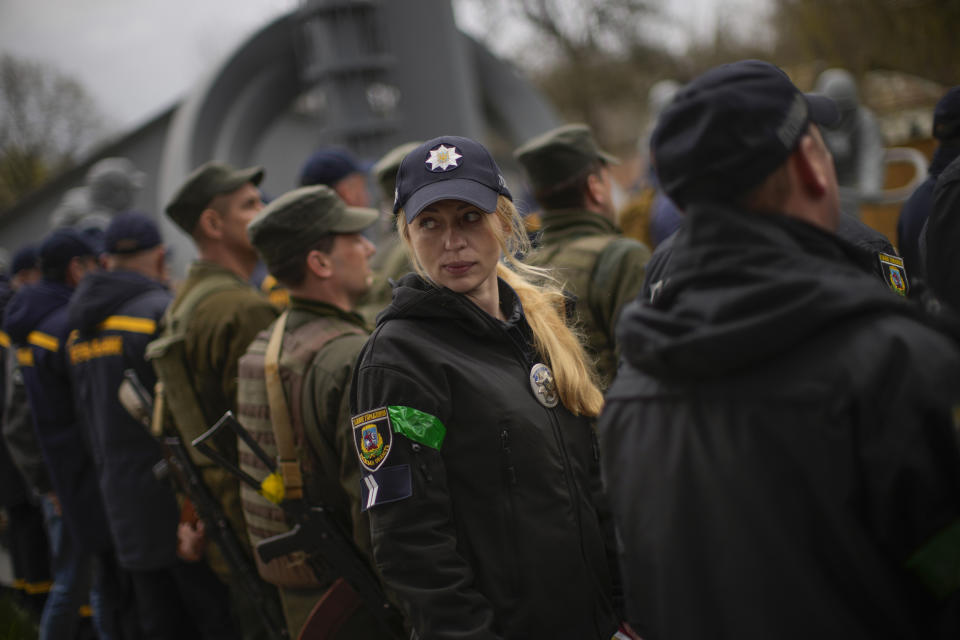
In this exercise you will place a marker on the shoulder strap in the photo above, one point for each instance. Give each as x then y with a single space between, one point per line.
204 288
280 415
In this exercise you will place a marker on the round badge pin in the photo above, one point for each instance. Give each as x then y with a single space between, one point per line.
543 385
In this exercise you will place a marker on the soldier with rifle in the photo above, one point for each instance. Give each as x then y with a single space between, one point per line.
292 398
179 468
209 324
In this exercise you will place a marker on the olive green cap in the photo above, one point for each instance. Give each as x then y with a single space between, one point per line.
201 186
299 219
560 154
385 170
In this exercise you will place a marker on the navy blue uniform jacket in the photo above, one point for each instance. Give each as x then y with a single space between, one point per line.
36 321
115 315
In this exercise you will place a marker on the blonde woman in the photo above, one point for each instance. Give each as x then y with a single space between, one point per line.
472 405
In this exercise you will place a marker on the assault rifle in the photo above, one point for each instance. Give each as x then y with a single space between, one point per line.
183 472
317 534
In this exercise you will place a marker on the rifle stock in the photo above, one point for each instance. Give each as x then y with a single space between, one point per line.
181 469
315 532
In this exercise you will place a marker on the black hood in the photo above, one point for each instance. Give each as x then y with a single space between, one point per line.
416 299
102 292
31 305
742 288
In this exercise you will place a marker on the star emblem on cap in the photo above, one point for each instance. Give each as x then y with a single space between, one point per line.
443 158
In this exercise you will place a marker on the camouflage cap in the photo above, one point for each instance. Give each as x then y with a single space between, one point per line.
385 170
560 154
201 186
299 219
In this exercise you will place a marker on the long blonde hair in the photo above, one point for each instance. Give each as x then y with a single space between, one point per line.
543 305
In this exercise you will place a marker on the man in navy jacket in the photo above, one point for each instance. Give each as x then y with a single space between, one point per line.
112 317
36 321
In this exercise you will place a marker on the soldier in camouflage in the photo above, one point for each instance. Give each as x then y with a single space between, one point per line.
311 243
580 241
219 314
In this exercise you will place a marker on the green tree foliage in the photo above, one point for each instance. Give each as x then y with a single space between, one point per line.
45 119
914 36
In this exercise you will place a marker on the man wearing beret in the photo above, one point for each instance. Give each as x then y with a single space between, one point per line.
24 475
779 445
36 321
312 243
217 313
114 314
571 180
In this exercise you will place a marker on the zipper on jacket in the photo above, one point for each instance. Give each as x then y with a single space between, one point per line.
511 516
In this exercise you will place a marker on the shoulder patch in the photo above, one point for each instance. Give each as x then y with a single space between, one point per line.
373 432
372 437
389 484
894 273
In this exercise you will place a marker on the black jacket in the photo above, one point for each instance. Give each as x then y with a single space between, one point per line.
115 315
863 247
942 233
493 533
13 489
779 445
918 207
36 321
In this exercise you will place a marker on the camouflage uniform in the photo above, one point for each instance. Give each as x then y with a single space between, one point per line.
603 269
592 260
331 474
217 333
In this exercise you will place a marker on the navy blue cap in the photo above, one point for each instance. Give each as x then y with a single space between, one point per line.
131 232
27 257
448 168
63 244
730 128
946 116
329 166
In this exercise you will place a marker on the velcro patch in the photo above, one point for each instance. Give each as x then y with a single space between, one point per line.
389 484
372 437
894 272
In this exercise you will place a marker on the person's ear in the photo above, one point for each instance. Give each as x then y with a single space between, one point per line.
597 190
75 271
319 264
813 165
210 223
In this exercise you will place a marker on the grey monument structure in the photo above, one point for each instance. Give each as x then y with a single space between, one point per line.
363 74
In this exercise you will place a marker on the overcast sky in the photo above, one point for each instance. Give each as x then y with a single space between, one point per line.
136 57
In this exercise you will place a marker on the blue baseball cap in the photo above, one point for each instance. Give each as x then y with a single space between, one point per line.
26 257
730 128
329 166
131 232
63 244
448 168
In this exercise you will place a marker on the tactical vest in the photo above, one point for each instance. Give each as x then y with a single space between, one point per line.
584 267
264 518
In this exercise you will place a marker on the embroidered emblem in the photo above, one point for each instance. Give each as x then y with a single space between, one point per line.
372 437
543 385
443 158
894 272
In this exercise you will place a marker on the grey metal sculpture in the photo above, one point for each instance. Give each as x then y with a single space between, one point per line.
363 74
